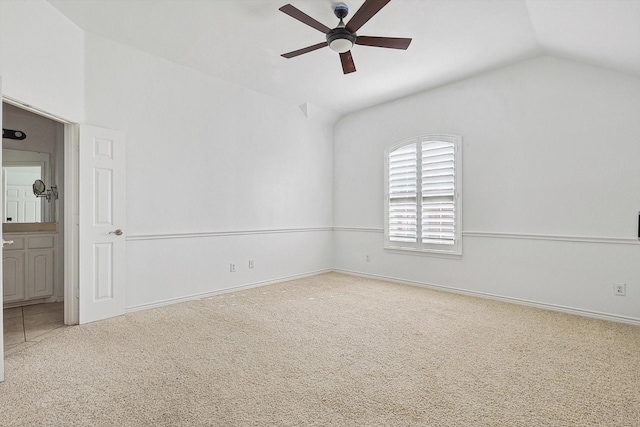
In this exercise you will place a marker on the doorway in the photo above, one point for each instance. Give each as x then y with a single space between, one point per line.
39 266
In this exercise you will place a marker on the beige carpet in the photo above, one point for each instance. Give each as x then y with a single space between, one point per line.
330 350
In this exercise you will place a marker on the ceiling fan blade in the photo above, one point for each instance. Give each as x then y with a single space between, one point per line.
348 66
390 42
304 18
304 50
366 12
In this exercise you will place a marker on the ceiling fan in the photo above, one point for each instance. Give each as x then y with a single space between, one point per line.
342 38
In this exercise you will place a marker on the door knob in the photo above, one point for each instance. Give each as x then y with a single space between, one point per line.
6 242
118 232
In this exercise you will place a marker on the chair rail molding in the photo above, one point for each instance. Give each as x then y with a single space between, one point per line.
553 237
522 236
193 235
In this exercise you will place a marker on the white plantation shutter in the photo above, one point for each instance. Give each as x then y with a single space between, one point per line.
403 194
423 184
438 192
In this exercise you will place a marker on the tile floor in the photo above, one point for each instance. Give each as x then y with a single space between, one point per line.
24 326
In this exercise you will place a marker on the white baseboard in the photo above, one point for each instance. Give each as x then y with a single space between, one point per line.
553 307
223 291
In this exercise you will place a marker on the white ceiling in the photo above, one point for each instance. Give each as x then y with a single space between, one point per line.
241 41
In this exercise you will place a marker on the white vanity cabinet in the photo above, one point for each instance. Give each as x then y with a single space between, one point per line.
29 268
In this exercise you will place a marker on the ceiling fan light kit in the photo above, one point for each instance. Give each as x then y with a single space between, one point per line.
342 38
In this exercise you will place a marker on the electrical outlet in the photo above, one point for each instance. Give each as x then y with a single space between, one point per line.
232 268
250 263
368 258
620 289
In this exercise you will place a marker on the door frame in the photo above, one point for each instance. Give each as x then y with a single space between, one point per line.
71 223
70 202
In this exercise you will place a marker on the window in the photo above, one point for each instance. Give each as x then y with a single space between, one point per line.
423 185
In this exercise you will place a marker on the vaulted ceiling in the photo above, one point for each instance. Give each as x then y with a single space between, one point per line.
241 41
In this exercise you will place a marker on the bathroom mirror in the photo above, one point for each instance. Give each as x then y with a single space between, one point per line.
20 171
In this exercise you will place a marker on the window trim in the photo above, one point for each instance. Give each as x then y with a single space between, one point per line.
419 248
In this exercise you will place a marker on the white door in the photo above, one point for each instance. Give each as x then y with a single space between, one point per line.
102 216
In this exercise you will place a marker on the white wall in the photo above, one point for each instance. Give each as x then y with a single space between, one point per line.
42 58
551 153
210 159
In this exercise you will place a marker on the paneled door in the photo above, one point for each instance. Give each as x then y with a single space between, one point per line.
102 227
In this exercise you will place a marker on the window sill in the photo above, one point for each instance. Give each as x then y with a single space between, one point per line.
423 252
